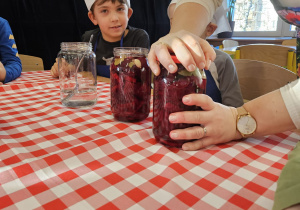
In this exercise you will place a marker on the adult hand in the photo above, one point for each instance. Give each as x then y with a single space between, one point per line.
190 50
218 120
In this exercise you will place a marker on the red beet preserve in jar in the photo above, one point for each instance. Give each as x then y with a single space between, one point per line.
130 78
169 89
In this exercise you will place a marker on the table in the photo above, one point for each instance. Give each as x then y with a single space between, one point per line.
53 157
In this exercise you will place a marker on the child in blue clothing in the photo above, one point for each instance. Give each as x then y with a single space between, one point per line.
112 18
10 63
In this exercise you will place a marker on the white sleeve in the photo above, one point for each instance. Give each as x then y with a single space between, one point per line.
291 97
209 5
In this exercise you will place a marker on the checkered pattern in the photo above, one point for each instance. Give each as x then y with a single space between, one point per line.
53 157
34 77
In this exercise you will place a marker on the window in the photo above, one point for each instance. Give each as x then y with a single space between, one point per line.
259 18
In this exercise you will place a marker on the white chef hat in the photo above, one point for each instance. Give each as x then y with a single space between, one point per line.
89 3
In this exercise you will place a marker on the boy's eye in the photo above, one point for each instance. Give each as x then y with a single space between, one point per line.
121 9
103 11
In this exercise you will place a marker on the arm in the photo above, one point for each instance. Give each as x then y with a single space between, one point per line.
12 67
189 22
270 112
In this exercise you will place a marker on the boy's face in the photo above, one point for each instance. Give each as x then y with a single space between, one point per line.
112 19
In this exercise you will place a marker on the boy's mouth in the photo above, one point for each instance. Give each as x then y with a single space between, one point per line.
114 27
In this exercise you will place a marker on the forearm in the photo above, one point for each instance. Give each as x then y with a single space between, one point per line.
192 17
270 113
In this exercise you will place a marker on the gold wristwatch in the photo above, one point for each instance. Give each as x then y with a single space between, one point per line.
245 123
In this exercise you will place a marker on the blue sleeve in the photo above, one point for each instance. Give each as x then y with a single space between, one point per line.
8 52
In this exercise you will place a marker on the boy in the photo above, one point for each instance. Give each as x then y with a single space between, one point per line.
222 81
112 18
10 63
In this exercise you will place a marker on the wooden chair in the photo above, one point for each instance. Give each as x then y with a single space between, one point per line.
31 63
276 54
290 42
257 78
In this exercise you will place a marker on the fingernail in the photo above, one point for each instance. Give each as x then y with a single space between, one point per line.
174 135
186 99
192 67
155 71
171 68
172 118
201 65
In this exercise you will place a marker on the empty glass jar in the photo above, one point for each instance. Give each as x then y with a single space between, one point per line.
77 74
169 89
130 78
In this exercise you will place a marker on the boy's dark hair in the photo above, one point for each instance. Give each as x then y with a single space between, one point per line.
127 2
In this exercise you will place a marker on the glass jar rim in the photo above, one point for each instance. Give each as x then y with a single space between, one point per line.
76 45
130 51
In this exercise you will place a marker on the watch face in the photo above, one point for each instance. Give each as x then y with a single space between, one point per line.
246 125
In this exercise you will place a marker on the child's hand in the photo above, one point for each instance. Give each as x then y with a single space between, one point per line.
64 67
54 70
190 50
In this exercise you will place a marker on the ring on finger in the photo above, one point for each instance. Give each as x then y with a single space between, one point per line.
204 131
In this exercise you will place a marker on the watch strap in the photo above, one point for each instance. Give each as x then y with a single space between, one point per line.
241 111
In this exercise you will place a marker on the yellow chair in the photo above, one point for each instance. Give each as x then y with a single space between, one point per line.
290 42
276 54
31 63
257 78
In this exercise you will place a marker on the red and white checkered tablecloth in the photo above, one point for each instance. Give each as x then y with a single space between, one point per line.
35 77
53 157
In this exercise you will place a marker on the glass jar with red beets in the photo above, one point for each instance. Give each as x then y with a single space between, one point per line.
169 89
130 78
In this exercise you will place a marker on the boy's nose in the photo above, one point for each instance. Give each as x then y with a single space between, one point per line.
114 17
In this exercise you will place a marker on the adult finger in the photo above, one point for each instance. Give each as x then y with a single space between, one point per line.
202 100
195 132
190 52
195 117
160 52
153 63
190 117
198 144
209 52
163 55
